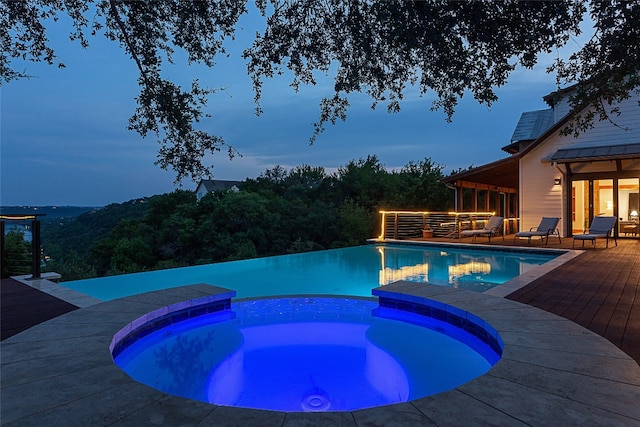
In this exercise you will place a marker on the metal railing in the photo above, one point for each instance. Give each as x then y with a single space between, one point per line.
16 262
36 246
411 224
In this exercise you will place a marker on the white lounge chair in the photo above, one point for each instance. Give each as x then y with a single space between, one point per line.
493 227
601 227
548 227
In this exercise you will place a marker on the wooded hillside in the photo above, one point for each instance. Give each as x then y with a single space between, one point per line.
282 211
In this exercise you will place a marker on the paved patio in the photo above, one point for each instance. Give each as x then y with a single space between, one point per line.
599 290
553 370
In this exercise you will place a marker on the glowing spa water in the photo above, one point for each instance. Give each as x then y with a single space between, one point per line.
348 271
306 354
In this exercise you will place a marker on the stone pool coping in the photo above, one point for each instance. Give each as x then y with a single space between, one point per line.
553 372
564 255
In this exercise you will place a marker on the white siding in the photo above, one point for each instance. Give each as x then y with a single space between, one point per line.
623 129
538 195
201 191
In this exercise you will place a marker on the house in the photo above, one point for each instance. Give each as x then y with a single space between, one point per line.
208 185
548 174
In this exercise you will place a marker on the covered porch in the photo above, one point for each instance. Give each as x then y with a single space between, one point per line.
480 193
489 188
600 180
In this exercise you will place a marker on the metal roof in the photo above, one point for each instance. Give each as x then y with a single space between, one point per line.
602 152
532 124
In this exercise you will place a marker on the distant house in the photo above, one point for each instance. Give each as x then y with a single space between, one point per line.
547 174
208 185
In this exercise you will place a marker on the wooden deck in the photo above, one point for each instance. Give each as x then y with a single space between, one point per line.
22 307
599 290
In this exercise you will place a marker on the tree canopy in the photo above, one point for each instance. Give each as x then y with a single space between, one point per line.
282 211
444 48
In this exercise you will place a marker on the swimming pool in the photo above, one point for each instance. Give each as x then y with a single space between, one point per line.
307 354
348 271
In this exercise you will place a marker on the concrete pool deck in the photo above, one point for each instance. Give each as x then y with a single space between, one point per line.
553 372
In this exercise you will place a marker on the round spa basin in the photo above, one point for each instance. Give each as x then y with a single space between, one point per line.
306 354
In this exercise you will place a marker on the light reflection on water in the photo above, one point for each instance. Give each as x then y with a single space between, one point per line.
348 271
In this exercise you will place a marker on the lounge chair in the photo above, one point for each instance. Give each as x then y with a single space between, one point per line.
601 227
493 227
547 227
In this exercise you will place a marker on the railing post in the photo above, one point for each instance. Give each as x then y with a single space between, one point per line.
35 248
395 227
2 259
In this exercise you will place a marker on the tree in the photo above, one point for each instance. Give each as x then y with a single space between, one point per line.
126 249
606 67
72 266
421 186
356 224
131 255
281 212
17 254
364 181
449 48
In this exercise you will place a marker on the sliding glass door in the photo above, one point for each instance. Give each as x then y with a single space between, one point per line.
628 207
612 197
579 206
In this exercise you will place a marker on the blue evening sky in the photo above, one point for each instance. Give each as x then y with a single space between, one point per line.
65 142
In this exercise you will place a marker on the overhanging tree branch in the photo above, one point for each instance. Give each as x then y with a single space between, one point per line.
385 49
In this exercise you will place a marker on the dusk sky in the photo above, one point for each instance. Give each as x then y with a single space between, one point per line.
65 142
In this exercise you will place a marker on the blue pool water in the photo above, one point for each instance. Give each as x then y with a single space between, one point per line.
306 354
349 271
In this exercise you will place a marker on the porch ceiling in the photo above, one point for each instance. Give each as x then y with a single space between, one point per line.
501 174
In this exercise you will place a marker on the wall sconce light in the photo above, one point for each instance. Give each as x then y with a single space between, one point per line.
557 181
